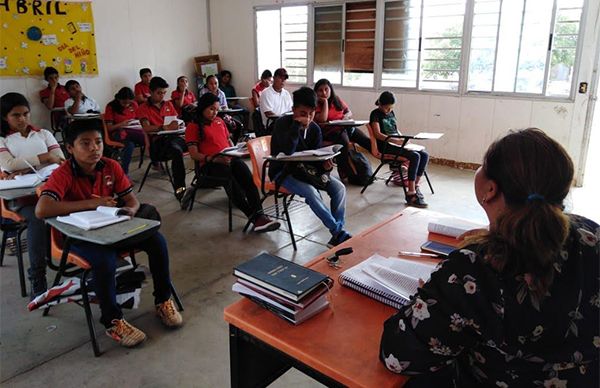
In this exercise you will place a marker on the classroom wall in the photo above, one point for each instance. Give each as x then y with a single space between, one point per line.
163 35
469 123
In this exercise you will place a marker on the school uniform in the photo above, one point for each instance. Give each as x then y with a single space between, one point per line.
70 183
220 94
130 137
60 95
165 147
15 150
243 191
274 101
188 99
85 105
141 88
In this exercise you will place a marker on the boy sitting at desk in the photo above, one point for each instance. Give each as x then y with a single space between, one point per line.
79 103
85 182
152 115
298 132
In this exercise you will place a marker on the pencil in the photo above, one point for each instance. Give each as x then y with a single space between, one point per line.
136 229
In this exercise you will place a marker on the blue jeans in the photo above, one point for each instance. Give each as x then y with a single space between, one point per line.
333 219
104 264
36 244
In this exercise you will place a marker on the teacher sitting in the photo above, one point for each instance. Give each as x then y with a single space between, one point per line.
518 305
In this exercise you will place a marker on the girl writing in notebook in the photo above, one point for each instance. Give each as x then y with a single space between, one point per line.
383 123
206 138
519 305
21 146
119 116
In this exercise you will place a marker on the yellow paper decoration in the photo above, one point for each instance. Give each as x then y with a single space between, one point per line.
36 33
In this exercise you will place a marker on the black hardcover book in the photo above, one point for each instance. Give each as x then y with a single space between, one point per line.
281 276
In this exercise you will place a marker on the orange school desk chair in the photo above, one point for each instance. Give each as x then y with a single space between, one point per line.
116 147
394 161
260 148
16 224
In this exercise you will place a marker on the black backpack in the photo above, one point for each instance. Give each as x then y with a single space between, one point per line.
359 169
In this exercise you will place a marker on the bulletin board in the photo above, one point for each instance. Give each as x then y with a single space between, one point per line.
37 33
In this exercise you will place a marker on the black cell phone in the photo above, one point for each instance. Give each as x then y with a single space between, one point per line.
439 248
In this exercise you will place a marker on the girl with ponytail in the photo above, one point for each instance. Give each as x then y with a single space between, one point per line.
519 304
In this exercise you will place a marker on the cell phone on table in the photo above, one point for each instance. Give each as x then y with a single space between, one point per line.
438 248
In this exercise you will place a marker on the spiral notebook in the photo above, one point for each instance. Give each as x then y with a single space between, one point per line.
388 280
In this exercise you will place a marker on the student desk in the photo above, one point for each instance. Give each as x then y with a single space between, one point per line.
346 123
340 345
13 194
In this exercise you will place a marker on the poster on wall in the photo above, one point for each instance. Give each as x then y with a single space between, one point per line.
37 33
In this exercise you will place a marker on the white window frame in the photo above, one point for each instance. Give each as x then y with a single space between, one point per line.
466 49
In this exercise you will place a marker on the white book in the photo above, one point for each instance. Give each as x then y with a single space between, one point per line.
133 124
169 119
94 219
23 181
453 227
428 135
389 280
331 150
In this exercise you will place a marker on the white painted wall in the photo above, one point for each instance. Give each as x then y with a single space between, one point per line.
470 123
163 35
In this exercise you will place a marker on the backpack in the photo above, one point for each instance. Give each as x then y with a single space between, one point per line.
359 169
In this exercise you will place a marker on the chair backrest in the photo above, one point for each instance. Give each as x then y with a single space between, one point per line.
374 148
107 140
258 149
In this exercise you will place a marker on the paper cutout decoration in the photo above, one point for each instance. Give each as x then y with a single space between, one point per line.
39 33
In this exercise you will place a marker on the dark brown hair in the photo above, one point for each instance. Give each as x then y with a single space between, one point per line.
534 173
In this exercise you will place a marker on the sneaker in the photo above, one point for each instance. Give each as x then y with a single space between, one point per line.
38 287
338 239
186 199
168 314
416 201
125 333
419 193
263 224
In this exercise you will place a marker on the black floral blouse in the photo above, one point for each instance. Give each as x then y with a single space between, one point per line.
492 332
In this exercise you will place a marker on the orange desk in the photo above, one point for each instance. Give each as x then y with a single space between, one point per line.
340 345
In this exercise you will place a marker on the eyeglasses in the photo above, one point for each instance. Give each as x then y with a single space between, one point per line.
334 261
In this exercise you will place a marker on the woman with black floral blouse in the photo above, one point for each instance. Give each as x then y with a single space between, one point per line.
518 305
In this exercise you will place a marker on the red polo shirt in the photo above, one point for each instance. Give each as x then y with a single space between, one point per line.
259 87
129 113
188 99
216 137
69 183
155 115
333 114
142 88
60 95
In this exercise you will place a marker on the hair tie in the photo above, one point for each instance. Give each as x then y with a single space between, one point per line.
535 197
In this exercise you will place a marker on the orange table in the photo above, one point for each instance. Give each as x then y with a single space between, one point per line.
340 345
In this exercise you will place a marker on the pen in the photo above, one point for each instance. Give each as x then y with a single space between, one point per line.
136 229
417 254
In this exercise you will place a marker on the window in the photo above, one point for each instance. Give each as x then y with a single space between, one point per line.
282 41
344 43
524 46
423 44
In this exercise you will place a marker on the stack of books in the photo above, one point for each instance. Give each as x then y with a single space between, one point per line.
291 291
444 233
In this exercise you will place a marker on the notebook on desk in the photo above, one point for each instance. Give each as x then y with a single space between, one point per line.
24 181
388 280
94 219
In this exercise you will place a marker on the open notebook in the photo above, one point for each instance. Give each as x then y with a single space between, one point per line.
94 219
389 280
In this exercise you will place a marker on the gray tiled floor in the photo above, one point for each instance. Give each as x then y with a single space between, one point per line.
55 350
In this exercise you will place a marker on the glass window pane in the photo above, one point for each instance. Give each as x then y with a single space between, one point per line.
328 44
441 44
484 35
359 49
401 43
294 44
268 32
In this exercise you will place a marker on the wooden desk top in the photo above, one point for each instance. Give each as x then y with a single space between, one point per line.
343 341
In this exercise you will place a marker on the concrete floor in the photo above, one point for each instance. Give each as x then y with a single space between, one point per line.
38 351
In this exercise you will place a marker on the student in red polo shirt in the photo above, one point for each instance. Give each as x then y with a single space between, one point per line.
142 88
55 95
206 138
266 79
119 115
181 96
152 115
85 182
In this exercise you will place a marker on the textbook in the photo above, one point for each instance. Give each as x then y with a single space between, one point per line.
133 124
94 219
291 314
303 303
324 152
388 280
280 276
169 119
453 227
239 150
24 181
42 173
